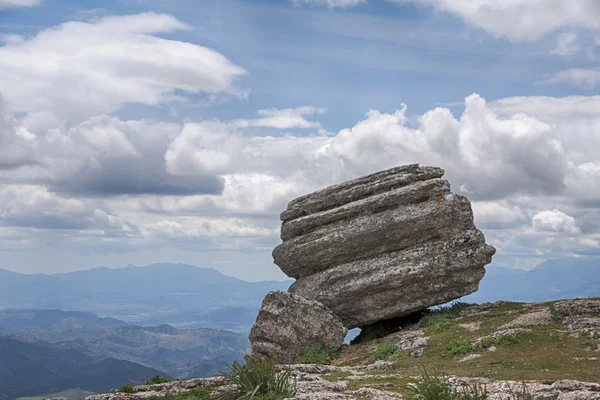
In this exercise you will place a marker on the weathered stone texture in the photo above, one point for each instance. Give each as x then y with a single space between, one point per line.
288 326
383 246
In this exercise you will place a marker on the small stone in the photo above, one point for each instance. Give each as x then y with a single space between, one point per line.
469 357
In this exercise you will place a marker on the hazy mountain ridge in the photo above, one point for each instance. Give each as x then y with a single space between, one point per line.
175 286
162 293
178 352
553 279
36 368
53 320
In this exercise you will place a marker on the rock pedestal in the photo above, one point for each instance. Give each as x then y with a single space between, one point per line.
288 326
369 252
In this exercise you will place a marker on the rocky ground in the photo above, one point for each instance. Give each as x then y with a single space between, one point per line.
547 351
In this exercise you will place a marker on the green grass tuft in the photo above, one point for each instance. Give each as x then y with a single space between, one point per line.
125 389
457 347
258 379
317 355
430 387
383 351
434 387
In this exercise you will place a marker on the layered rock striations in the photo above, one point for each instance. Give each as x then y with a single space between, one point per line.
383 246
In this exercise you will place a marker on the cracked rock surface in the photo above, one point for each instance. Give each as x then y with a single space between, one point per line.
383 246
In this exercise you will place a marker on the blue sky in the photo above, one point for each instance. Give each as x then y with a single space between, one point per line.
147 131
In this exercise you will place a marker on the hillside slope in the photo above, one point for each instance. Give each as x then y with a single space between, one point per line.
29 369
182 353
502 340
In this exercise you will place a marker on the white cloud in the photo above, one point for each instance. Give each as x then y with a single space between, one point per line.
491 214
283 119
554 221
329 3
486 156
203 148
549 108
19 3
152 182
581 77
574 121
519 19
566 45
82 69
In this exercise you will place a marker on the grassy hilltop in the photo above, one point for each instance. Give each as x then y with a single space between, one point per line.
504 341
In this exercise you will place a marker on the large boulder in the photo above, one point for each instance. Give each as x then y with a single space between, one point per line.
288 326
383 246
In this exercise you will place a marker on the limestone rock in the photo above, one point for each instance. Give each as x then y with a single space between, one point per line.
383 246
288 326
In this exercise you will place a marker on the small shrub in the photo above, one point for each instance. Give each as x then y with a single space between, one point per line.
506 340
156 379
317 355
125 389
457 347
383 351
437 324
258 379
556 317
487 342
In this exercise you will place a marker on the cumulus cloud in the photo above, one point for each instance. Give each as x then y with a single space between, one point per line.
554 221
566 45
519 19
485 155
329 3
581 77
82 69
519 159
4 4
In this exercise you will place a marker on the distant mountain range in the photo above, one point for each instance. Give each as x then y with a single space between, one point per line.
552 280
28 369
181 353
179 294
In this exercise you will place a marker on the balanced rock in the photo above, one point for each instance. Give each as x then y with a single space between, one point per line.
288 326
383 246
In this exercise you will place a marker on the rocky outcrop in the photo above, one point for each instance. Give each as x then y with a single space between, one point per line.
382 246
161 389
312 386
581 316
288 326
